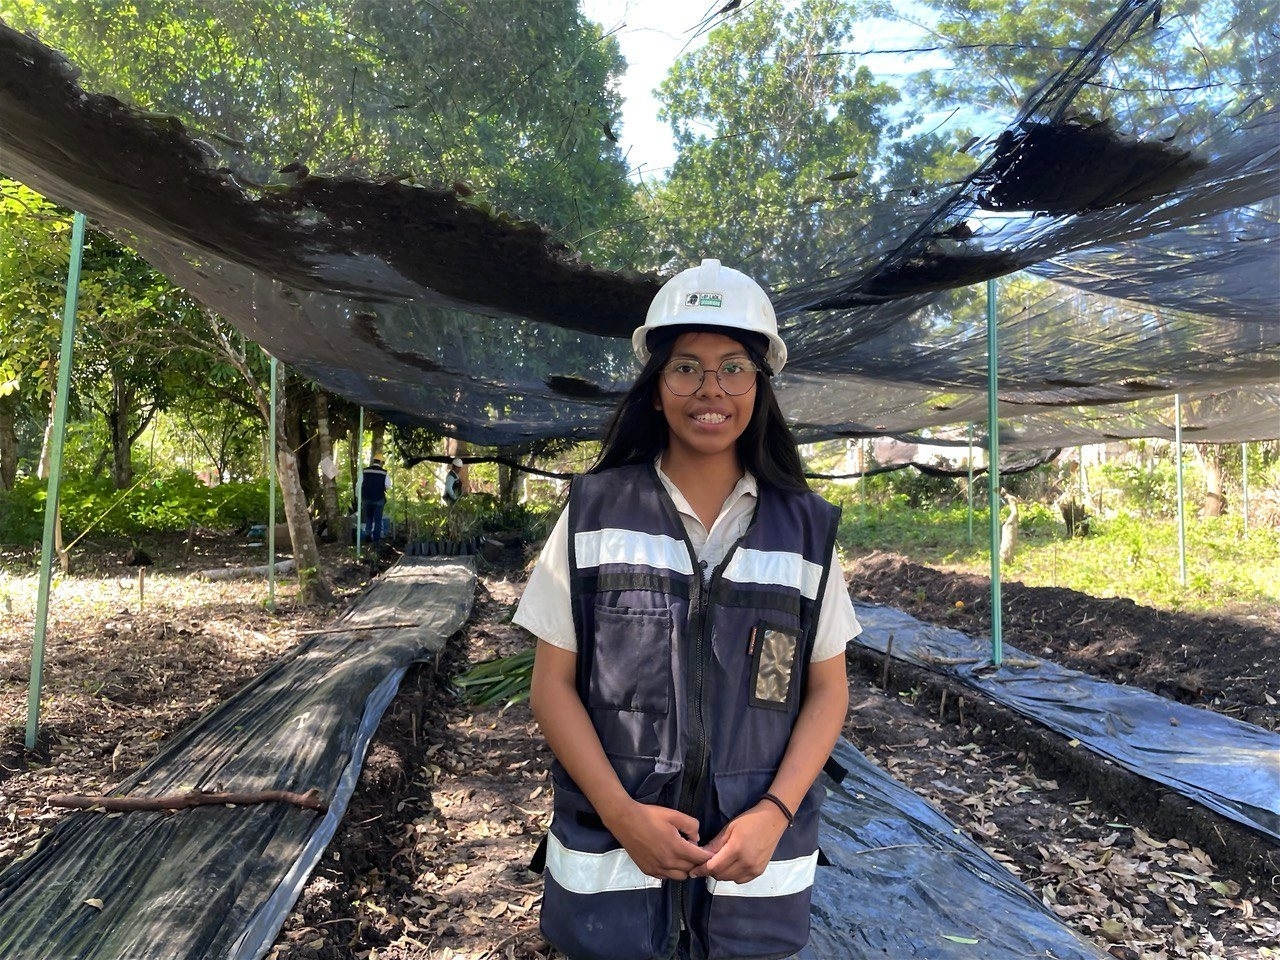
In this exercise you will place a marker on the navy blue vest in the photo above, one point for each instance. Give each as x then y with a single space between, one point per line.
373 484
694 689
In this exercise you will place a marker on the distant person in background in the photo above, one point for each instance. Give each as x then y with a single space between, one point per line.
452 482
374 484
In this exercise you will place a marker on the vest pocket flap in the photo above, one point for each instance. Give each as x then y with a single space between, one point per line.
647 780
739 792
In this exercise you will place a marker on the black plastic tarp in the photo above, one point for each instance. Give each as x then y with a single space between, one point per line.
1228 765
412 301
216 881
904 881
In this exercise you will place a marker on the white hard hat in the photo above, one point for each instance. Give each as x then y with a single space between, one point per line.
713 296
457 461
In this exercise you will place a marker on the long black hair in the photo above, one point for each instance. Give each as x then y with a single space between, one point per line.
638 432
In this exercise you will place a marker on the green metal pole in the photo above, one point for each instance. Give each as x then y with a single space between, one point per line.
359 483
862 480
271 510
52 498
993 473
1244 486
1182 513
970 488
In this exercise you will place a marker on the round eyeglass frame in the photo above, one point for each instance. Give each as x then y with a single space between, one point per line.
746 364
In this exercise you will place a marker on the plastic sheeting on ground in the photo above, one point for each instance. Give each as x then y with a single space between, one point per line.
1230 766
215 881
904 882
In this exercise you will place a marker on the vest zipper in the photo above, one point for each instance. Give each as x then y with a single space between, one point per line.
699 750
696 759
701 621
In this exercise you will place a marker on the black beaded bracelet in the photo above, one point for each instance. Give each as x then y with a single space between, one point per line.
780 805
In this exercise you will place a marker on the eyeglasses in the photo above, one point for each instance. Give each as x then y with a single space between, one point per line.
684 378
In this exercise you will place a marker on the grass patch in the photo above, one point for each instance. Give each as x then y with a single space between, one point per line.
1123 555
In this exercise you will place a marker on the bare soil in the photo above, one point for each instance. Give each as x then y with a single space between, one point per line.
430 861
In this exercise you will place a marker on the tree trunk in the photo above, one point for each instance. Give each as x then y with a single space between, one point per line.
328 469
377 438
459 448
118 431
46 444
312 582
1210 457
509 485
356 440
297 428
8 441
121 450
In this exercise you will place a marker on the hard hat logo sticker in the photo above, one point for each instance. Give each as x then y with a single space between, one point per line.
709 300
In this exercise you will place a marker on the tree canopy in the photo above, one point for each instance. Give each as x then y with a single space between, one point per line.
515 107
779 143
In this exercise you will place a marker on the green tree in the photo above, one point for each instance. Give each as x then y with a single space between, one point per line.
34 254
126 313
129 362
779 142
1174 76
514 103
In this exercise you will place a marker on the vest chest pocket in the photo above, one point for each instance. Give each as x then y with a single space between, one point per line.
631 665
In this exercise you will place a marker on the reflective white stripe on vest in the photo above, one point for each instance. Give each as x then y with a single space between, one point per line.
580 872
780 878
595 548
775 567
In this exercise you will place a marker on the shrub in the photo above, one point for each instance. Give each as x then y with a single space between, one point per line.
22 512
171 502
1149 490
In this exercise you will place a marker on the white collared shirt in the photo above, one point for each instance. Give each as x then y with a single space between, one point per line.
545 609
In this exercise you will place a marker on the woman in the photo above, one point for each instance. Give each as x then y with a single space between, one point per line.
689 675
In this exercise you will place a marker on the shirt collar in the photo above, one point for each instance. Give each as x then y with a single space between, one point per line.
745 487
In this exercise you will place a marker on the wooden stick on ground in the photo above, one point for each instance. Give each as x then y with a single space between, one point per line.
888 659
311 800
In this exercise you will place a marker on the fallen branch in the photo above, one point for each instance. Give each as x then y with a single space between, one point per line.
311 800
1019 663
497 951
948 661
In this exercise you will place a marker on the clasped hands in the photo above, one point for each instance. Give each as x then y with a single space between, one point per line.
664 842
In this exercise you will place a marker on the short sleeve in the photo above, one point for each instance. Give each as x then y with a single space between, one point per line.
546 609
837 623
